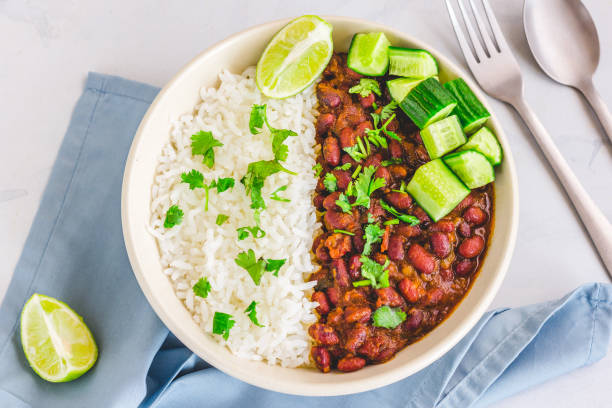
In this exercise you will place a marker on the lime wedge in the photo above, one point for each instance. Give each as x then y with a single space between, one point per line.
56 342
295 57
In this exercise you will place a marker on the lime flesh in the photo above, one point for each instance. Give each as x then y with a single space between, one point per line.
295 57
56 342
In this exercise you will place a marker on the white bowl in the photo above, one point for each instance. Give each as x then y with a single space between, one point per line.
178 97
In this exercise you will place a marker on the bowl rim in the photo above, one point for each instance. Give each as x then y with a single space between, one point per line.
359 385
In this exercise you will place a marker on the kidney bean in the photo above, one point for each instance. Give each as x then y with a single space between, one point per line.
466 202
338 245
320 186
321 358
464 229
337 220
396 247
434 296
340 273
361 128
323 334
358 241
350 116
343 178
354 296
348 159
400 201
329 203
440 244
444 225
395 149
347 137
410 290
318 202
375 209
475 215
331 151
353 314
372 346
446 274
464 267
415 317
388 296
319 249
398 171
355 267
373 160
321 299
329 96
422 154
355 338
471 247
348 364
421 259
324 122
333 294
408 231
367 101
335 316
421 215
383 173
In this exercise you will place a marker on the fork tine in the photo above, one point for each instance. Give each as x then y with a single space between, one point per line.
463 43
495 28
480 52
489 46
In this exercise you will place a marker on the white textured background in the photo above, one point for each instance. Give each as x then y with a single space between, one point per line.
48 46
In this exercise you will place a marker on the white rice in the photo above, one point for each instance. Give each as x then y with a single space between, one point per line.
199 248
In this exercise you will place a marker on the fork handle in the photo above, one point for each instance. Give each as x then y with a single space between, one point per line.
598 227
599 106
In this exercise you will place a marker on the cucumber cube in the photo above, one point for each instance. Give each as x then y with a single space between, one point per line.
436 189
472 113
399 87
485 142
428 102
472 167
408 62
368 54
443 136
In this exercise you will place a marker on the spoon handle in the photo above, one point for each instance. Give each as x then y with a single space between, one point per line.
599 106
598 227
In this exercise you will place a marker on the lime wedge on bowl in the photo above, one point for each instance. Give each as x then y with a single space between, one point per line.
295 57
56 342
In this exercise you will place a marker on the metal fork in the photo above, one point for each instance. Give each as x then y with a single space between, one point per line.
498 73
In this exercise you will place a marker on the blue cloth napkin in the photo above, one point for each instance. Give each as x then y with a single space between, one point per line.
75 252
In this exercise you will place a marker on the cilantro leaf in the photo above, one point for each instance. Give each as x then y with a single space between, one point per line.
355 153
345 166
194 178
375 272
391 161
252 313
224 184
257 118
256 232
317 168
280 149
174 216
365 186
373 234
274 195
388 317
387 110
394 221
365 87
343 203
408 219
274 265
255 267
345 232
330 182
370 218
221 218
253 181
202 287
203 143
222 323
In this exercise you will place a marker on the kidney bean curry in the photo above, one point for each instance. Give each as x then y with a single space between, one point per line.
388 273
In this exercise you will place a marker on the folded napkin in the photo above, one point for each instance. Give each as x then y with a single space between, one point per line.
75 252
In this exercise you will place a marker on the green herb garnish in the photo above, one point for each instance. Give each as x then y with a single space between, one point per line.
224 184
356 172
274 195
339 231
389 162
256 232
274 265
257 118
257 267
365 185
203 143
388 317
221 218
256 122
194 178
252 313
330 182
364 282
385 117
202 287
344 203
377 274
222 323
408 219
394 221
370 218
174 216
317 168
365 87
345 166
373 234
253 181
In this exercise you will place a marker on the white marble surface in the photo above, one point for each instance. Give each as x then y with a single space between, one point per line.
47 48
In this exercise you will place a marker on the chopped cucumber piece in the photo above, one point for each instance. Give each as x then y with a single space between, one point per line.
368 54
485 142
436 189
443 136
411 63
428 102
472 114
472 167
399 87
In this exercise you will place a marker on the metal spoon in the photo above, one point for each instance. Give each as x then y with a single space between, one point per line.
564 42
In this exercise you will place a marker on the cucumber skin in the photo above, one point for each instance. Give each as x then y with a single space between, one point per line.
425 100
458 164
469 109
431 146
473 144
448 181
359 70
399 51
